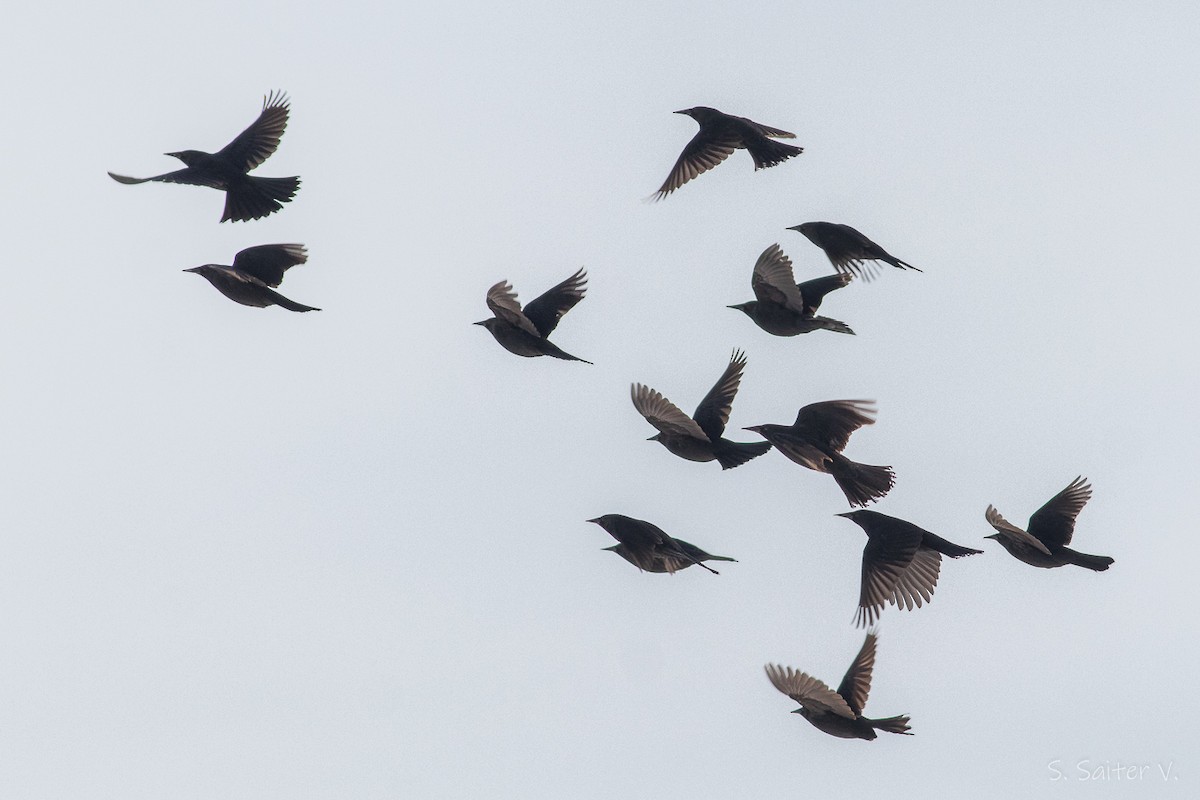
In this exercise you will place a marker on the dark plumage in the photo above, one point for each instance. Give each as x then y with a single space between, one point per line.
246 197
816 441
524 332
784 307
255 270
698 438
649 548
1050 530
657 562
848 249
719 135
900 564
838 713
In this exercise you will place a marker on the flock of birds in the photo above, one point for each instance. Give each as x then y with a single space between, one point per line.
901 562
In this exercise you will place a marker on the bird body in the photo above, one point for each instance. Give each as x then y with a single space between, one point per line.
847 249
247 197
699 437
254 272
816 441
900 565
1050 531
649 548
524 332
838 713
719 135
658 562
784 307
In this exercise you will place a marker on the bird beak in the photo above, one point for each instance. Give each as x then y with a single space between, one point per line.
845 514
595 521
753 429
797 711
481 322
995 536
684 111
192 269
653 438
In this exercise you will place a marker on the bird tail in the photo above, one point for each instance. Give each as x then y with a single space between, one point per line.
831 325
291 305
553 350
1097 563
252 198
734 454
861 483
892 724
895 262
768 152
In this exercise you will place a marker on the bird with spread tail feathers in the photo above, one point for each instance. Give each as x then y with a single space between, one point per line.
719 135
247 197
816 441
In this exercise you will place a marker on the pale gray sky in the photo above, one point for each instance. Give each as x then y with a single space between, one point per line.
255 554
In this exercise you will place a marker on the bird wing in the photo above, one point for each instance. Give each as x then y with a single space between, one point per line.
547 309
186 175
857 684
268 262
808 691
713 412
502 300
774 282
706 149
814 291
256 144
663 414
832 421
1008 529
917 582
1054 523
885 559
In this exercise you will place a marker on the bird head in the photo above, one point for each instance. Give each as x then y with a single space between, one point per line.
701 113
203 269
810 230
854 516
746 308
189 157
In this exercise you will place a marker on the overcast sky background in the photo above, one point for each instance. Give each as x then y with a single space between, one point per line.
254 554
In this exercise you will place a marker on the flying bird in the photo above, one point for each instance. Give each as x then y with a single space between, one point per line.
649 548
847 249
255 273
1050 531
247 197
816 441
699 437
719 135
784 307
838 713
524 332
900 564
658 562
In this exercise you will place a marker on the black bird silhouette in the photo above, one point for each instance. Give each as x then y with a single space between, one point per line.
254 271
246 196
784 307
649 548
698 438
847 249
657 562
838 713
900 565
719 135
817 439
525 332
1050 531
